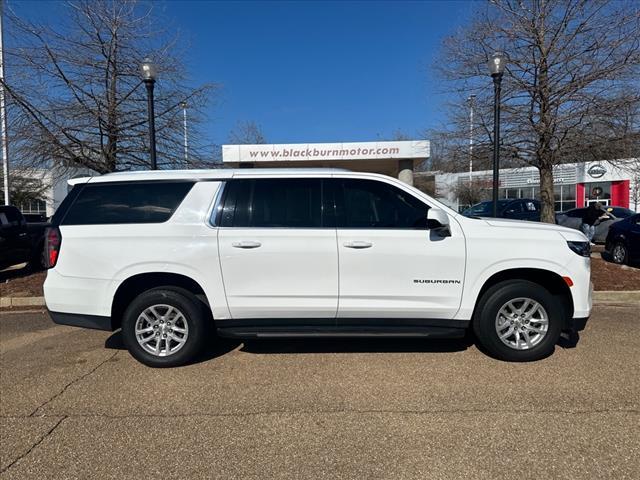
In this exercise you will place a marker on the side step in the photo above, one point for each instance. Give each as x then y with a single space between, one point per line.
337 332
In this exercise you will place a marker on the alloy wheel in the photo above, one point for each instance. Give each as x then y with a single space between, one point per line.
522 323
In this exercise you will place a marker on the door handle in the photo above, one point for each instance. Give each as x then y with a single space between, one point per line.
246 244
358 244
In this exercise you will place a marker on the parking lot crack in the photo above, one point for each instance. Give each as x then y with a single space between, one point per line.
70 384
42 439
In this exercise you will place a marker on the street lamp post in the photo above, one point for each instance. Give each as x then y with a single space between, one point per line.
496 68
183 105
472 101
148 70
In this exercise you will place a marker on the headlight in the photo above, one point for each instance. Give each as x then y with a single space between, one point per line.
581 248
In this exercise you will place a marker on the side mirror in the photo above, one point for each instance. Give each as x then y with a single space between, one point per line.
438 221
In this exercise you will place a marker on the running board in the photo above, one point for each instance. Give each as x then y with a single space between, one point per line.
338 332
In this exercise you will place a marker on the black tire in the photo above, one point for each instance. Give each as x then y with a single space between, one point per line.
621 257
484 322
195 315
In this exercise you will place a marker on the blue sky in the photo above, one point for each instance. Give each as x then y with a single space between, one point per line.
314 71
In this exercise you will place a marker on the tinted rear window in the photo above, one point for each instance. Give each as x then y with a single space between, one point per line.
274 203
109 203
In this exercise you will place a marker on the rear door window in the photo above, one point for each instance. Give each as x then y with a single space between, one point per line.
126 202
273 203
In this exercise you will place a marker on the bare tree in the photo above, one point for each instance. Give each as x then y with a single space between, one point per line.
247 133
76 94
571 64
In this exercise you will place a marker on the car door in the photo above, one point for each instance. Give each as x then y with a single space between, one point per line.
15 245
634 238
391 265
278 257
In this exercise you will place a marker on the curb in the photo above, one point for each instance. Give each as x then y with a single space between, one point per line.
616 296
22 302
600 296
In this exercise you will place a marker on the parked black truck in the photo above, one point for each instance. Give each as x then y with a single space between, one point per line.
20 241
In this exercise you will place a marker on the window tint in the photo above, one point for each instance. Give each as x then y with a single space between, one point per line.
109 203
372 204
274 203
513 208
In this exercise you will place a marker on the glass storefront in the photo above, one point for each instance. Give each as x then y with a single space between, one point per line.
597 192
565 195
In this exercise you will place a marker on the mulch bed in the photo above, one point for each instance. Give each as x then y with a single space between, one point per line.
21 283
604 275
609 276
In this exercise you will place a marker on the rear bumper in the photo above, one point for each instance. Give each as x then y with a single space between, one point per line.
577 324
79 320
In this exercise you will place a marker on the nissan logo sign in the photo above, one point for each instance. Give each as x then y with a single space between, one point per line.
596 171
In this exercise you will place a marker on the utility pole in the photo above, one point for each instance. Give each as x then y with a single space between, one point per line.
184 126
3 112
472 100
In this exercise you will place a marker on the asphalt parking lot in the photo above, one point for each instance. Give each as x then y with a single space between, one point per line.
75 405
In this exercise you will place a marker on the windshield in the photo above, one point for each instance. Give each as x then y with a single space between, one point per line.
484 209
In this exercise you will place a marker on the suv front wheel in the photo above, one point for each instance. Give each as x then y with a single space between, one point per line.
518 321
164 327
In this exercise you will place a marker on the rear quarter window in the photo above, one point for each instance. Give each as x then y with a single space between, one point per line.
118 203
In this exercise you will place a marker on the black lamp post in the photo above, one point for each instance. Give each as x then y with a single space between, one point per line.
496 67
148 70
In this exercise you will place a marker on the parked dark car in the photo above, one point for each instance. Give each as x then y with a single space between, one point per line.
20 241
573 219
517 209
623 241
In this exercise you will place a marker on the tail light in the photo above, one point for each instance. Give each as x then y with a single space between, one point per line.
52 241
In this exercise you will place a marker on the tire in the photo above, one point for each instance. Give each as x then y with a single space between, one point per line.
619 253
174 308
491 315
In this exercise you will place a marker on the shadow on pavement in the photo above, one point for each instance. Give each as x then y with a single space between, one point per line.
215 348
355 345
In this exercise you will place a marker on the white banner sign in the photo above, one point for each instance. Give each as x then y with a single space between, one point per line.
325 151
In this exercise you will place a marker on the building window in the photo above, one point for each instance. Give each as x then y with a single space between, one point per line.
565 197
33 207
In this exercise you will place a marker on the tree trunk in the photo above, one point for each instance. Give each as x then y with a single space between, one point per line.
547 197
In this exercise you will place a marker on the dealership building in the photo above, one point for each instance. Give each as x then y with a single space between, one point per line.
575 184
614 183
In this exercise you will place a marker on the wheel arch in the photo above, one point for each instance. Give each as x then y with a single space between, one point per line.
551 281
141 282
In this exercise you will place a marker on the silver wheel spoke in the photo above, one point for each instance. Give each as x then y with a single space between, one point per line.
521 323
507 334
144 330
146 340
179 329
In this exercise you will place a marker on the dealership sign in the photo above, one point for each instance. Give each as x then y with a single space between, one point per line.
325 151
596 171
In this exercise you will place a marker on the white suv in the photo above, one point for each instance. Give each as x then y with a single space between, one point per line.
171 257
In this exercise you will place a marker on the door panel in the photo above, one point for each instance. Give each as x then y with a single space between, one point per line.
292 273
278 257
391 265
404 274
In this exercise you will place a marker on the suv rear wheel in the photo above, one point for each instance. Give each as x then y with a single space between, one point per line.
518 320
164 327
